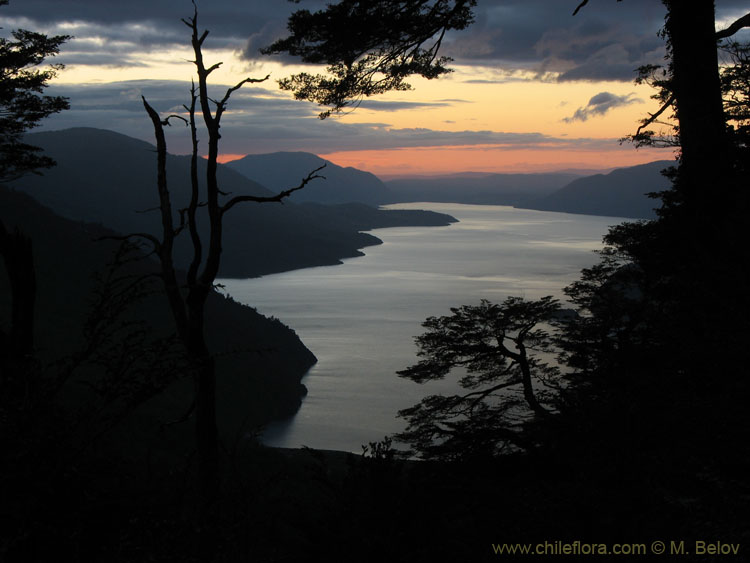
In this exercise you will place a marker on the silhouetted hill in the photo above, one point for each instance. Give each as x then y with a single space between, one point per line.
284 169
260 361
485 189
109 178
621 193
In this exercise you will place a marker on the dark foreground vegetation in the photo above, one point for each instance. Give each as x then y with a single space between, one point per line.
642 437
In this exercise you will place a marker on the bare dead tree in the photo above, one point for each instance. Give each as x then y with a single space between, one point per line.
187 303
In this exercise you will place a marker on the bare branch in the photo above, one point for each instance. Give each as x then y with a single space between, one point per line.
194 192
654 116
581 5
213 67
744 21
221 105
174 115
276 198
165 205
240 84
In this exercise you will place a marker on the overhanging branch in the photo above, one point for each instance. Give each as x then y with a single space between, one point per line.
744 21
654 116
278 198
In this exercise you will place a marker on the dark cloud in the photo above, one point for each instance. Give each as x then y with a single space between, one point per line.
263 38
600 104
543 39
157 23
222 17
607 40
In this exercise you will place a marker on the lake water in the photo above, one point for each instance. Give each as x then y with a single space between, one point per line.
359 318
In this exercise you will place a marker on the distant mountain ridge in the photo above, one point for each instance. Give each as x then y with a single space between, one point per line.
480 189
108 178
620 193
280 170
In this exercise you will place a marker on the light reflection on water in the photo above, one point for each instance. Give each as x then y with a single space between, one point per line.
360 318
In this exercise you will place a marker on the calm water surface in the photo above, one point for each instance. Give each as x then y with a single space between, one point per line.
360 318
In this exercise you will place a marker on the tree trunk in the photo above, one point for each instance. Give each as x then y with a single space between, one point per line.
206 433
188 313
696 85
528 388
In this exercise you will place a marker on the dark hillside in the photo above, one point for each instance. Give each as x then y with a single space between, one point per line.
108 178
621 193
261 360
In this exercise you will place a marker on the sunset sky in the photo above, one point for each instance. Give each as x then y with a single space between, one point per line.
534 88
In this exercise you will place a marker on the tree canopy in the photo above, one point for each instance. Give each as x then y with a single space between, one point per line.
662 290
22 105
369 47
495 348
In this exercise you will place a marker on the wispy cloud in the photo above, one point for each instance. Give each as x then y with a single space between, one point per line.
600 104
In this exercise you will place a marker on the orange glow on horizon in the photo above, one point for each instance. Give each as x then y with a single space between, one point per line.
448 160
224 158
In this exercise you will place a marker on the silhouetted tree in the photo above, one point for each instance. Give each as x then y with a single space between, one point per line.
735 80
188 306
709 184
369 47
491 345
735 89
55 416
683 259
22 106
691 86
